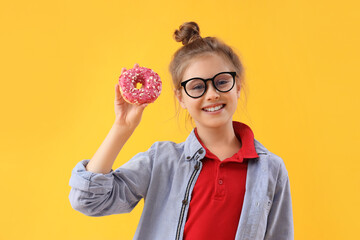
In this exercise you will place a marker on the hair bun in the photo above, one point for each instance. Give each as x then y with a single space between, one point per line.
187 33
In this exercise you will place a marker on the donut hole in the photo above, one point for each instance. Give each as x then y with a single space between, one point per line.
138 85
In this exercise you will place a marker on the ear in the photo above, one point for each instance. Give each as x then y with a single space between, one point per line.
180 98
238 88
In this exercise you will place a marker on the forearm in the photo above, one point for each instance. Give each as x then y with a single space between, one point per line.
105 156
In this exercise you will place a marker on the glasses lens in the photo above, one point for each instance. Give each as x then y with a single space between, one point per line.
224 82
195 87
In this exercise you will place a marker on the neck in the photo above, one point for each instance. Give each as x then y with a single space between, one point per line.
216 137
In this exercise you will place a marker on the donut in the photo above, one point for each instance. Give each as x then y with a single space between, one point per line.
150 85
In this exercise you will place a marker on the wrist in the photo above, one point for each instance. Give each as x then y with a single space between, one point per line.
124 123
122 129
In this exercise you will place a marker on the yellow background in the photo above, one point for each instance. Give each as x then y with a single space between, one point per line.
60 61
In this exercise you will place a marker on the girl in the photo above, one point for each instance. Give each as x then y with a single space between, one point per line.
220 183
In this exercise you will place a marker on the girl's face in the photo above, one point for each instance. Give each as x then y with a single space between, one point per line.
213 109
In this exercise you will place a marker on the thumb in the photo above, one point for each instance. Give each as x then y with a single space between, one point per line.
141 107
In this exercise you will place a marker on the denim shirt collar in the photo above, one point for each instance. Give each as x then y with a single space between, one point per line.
260 149
193 149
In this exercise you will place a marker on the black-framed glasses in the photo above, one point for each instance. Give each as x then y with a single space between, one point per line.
196 87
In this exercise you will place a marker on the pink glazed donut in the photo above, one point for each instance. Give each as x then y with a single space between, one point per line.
150 85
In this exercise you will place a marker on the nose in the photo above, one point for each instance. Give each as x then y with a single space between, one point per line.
211 92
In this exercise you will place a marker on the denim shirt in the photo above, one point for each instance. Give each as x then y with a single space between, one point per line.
165 176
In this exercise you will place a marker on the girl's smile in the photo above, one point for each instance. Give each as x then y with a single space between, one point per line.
215 108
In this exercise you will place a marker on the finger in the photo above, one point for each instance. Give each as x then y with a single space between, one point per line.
143 106
123 70
140 108
117 92
136 65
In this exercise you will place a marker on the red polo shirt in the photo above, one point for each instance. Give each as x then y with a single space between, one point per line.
218 195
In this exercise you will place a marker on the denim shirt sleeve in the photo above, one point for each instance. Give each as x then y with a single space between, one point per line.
280 218
119 191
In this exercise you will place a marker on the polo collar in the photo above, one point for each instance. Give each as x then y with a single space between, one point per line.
194 150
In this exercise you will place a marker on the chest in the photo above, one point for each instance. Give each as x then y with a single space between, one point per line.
221 180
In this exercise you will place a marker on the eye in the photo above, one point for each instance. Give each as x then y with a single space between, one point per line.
197 87
223 82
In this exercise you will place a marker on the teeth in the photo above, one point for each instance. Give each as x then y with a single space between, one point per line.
212 109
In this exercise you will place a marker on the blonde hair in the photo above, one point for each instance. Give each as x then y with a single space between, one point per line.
194 46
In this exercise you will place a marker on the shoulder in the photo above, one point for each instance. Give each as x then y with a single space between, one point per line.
190 148
166 150
167 146
274 162
159 153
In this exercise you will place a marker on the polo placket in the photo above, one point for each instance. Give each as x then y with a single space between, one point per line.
220 182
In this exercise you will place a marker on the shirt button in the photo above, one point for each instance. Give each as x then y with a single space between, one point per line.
201 151
220 181
221 165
